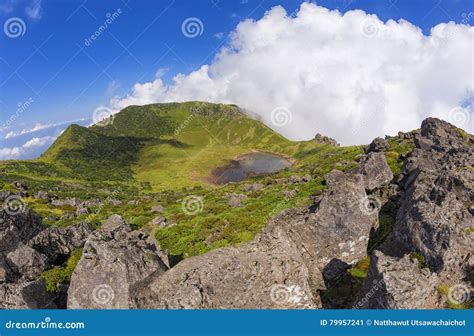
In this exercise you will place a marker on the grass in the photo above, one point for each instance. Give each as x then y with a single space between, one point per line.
161 153
61 274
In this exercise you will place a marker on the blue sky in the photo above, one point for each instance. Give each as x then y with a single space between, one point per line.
65 78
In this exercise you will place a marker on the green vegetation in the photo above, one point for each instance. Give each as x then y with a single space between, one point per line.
360 269
420 258
399 148
159 154
61 274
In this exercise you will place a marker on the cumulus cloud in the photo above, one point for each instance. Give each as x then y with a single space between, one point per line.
349 76
26 149
39 127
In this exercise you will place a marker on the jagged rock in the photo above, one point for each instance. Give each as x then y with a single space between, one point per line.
42 195
29 295
19 228
157 209
246 277
290 254
322 139
114 258
394 283
281 180
235 200
378 145
82 210
253 187
75 202
433 216
57 243
375 170
307 178
333 176
294 179
26 262
115 202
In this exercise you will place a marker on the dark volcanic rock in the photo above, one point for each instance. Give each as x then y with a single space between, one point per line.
378 145
29 295
282 267
55 242
394 283
434 218
114 258
266 273
375 170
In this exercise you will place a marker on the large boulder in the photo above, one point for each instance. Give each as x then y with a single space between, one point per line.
378 145
58 243
434 217
266 273
26 262
394 283
375 170
285 266
28 295
114 258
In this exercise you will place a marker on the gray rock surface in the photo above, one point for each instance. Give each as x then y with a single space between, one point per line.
114 258
394 283
26 262
29 295
434 217
378 145
283 266
56 242
375 170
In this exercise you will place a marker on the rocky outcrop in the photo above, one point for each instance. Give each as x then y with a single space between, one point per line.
433 221
375 171
27 248
285 266
57 243
114 259
434 218
29 295
394 283
378 145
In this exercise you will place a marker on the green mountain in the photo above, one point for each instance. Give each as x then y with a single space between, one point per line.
162 154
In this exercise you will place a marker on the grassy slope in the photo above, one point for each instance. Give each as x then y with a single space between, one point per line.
166 151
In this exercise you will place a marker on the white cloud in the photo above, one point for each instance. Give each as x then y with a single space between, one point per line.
351 76
10 153
38 142
26 149
39 127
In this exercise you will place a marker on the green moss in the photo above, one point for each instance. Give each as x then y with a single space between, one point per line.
360 269
420 258
61 274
